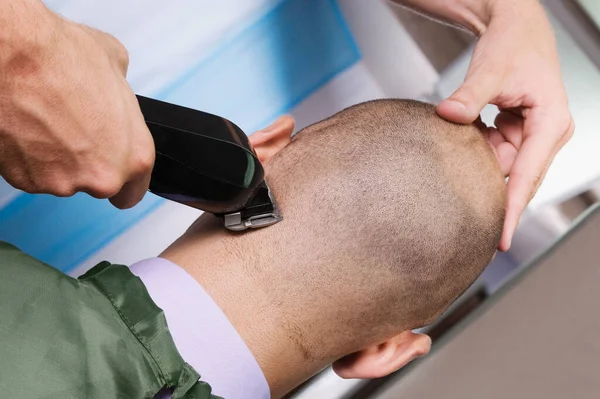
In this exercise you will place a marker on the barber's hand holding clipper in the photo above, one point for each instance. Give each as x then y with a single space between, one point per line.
69 121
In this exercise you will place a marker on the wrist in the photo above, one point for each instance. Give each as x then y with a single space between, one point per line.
477 15
508 11
473 15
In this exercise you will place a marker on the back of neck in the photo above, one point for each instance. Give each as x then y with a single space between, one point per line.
205 252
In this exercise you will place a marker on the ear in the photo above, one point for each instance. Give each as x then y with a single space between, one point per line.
383 359
269 141
504 150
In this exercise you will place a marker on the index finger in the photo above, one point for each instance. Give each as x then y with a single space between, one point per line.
139 170
131 193
543 137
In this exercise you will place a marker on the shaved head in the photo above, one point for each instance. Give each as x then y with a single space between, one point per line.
390 213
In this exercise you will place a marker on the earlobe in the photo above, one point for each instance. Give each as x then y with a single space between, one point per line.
269 141
504 151
380 360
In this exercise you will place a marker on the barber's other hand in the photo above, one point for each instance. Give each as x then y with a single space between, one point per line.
69 121
515 66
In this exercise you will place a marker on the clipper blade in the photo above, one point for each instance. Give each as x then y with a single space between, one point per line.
261 212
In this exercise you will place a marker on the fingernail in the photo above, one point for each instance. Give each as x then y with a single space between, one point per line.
458 105
508 243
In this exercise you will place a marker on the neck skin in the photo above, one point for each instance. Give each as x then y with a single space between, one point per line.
205 252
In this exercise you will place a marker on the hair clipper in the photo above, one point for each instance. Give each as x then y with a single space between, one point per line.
206 162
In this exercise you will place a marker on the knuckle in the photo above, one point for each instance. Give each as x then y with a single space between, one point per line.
25 185
60 189
105 186
15 179
568 136
116 50
30 185
121 53
565 123
144 163
57 185
570 129
565 128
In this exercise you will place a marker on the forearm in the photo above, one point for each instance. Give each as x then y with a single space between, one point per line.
474 15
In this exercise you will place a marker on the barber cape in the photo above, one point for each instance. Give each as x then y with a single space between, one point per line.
97 337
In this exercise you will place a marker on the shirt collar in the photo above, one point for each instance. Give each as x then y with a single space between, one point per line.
202 333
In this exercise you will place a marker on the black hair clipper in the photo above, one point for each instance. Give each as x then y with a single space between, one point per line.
206 162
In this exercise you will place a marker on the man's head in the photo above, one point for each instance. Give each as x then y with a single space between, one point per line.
390 213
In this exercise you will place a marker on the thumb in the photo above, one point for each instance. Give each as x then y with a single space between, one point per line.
479 89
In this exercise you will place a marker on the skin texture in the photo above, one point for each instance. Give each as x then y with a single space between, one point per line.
390 213
515 66
69 121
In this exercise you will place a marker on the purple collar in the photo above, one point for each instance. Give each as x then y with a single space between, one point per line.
202 333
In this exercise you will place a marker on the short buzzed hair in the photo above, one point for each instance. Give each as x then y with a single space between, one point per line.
390 213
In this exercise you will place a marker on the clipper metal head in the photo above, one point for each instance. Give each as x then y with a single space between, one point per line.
262 211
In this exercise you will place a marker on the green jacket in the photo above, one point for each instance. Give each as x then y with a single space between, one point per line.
97 337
